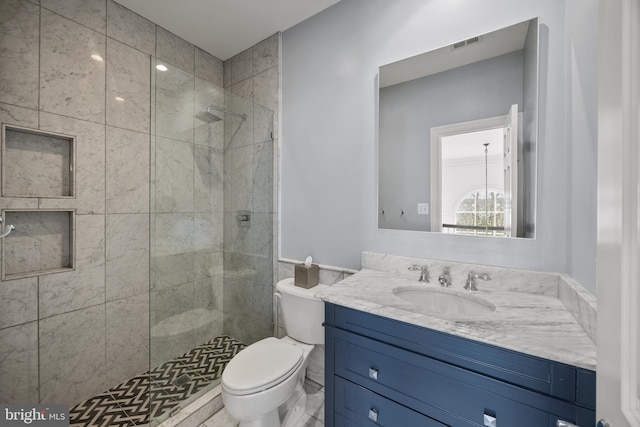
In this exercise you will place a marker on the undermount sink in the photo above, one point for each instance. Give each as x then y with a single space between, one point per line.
444 302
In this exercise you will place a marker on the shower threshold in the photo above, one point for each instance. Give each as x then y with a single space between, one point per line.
153 396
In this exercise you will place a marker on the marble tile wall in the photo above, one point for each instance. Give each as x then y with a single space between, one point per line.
82 68
41 241
71 80
37 165
19 49
251 151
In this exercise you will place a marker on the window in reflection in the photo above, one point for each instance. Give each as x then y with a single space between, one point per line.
479 215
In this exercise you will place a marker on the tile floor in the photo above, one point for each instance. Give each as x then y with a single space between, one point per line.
154 394
314 416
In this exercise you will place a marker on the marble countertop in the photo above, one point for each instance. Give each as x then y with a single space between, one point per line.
534 324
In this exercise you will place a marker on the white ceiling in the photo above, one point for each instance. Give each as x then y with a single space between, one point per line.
470 145
500 42
225 28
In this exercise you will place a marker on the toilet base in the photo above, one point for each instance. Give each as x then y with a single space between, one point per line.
292 410
270 419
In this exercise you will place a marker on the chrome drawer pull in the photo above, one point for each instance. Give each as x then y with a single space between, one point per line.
373 415
373 373
561 423
490 421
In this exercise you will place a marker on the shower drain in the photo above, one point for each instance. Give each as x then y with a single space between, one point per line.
181 380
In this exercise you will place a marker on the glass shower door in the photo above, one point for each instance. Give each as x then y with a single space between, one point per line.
211 233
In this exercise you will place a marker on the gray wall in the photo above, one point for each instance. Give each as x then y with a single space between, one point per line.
409 110
582 116
329 157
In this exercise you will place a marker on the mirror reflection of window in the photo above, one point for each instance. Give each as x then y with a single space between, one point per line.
479 214
470 154
466 171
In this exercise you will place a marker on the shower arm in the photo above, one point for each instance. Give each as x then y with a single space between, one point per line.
224 110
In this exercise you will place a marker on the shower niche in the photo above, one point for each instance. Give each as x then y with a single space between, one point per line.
42 243
37 164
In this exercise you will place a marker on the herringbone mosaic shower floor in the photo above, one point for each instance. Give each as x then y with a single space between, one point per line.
157 392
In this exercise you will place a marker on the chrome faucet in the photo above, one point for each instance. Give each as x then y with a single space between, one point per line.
424 272
445 278
470 284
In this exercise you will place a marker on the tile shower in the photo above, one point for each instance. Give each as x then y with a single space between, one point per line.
161 260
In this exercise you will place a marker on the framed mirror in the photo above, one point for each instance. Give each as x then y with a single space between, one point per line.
458 137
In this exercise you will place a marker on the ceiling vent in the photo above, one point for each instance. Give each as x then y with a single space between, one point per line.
467 42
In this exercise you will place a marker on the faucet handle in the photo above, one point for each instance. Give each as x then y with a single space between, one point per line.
424 272
470 283
483 276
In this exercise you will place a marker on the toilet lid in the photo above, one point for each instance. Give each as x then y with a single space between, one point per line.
260 366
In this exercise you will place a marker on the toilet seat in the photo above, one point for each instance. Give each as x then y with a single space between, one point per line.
261 366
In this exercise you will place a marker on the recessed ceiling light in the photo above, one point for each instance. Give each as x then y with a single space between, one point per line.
161 67
97 57
119 98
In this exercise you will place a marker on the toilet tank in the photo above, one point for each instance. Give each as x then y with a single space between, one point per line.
302 312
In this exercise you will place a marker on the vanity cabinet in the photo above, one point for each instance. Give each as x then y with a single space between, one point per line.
380 371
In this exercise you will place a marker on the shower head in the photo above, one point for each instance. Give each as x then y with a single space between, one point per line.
207 116
224 110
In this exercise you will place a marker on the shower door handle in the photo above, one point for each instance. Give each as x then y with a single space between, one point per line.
7 230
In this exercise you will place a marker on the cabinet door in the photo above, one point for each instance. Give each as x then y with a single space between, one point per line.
362 407
532 373
444 392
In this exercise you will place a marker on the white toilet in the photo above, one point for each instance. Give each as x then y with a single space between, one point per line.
262 386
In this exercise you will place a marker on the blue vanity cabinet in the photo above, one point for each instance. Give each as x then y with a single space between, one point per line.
382 372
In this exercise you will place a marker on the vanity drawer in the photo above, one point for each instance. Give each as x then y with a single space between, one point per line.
544 376
357 406
445 392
